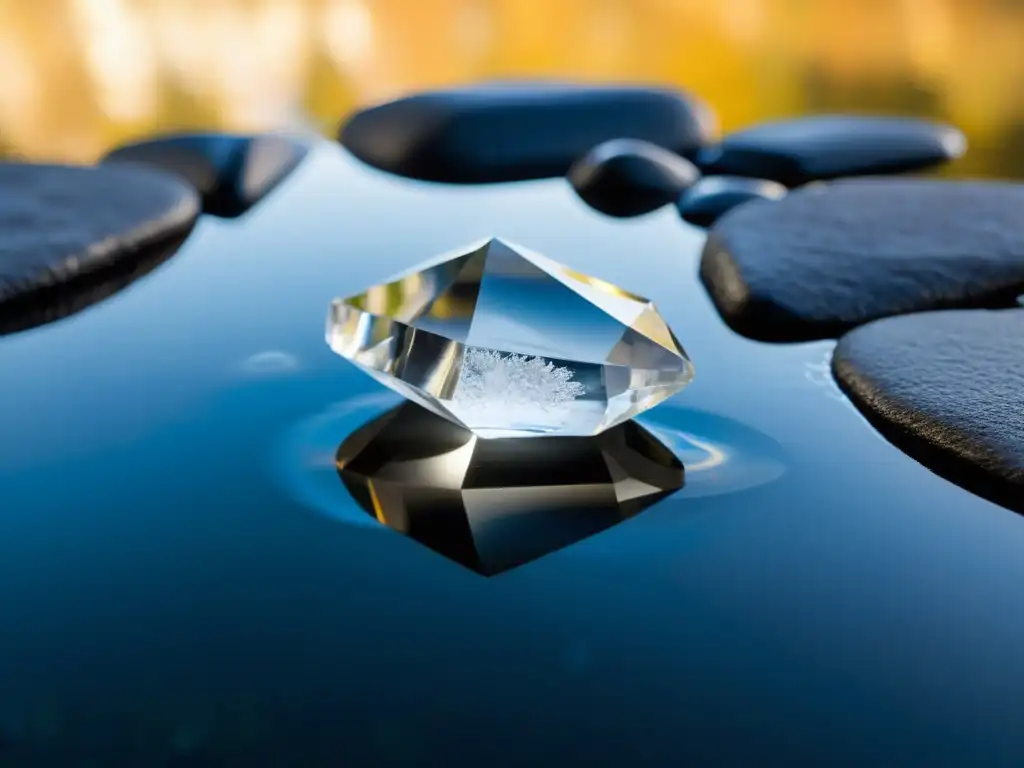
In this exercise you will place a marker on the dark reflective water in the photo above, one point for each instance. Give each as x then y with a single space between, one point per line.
493 505
178 578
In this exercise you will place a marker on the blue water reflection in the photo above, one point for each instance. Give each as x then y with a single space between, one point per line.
176 574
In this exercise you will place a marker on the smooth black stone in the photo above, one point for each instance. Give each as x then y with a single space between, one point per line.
795 152
514 131
714 196
64 227
232 173
833 256
948 389
628 177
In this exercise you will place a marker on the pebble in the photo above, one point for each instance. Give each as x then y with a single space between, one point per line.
231 172
947 388
714 196
795 152
513 131
71 235
829 257
628 177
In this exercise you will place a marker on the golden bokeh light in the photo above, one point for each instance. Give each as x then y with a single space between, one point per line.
83 75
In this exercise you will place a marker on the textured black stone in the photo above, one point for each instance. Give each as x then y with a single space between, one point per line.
948 389
513 131
628 177
795 152
231 172
829 257
64 229
714 196
67 298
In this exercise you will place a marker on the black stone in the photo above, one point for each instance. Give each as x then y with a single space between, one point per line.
514 131
714 196
628 177
64 299
795 152
231 172
829 257
947 388
69 232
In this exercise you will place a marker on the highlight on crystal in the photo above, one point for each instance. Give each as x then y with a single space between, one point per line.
506 342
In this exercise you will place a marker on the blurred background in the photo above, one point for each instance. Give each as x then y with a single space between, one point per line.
82 75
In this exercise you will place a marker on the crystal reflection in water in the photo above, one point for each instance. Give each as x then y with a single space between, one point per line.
492 505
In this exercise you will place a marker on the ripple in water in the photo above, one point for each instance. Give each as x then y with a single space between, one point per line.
720 455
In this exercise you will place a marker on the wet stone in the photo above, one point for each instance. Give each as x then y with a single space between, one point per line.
714 196
511 131
231 172
627 177
72 235
830 257
68 298
795 152
948 389
494 505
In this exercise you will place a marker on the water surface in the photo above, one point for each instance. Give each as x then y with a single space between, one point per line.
180 572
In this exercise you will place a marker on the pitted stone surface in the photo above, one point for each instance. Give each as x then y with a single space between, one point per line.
948 389
64 224
830 257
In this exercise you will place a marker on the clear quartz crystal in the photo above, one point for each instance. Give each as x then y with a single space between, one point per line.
509 343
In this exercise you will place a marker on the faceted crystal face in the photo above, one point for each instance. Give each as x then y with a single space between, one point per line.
508 343
492 505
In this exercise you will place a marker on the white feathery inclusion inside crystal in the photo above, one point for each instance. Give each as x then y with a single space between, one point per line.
526 384
509 343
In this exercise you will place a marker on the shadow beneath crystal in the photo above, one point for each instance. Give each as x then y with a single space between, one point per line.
493 505
63 299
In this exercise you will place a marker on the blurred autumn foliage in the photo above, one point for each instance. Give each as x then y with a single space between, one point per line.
82 75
